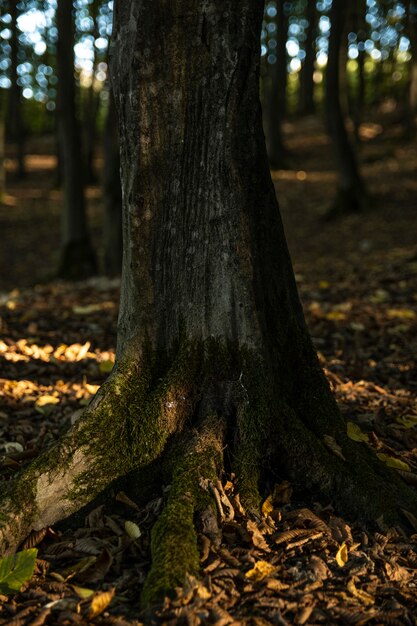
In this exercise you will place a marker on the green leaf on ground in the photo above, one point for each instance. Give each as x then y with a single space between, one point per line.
16 570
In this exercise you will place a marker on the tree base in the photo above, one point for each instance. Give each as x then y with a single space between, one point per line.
349 201
208 408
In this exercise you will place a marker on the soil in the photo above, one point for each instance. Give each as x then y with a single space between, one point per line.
299 562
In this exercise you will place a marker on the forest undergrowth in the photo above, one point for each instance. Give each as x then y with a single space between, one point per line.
299 562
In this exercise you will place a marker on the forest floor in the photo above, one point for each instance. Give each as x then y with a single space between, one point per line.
300 563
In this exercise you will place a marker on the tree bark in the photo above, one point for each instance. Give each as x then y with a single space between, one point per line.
307 104
213 351
77 256
275 101
112 194
351 194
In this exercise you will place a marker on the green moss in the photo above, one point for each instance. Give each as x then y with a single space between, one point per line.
174 539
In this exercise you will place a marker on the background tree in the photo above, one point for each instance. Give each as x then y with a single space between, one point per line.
14 115
77 256
215 366
275 90
307 104
351 194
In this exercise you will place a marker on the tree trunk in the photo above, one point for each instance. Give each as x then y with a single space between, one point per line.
77 256
411 106
275 101
112 194
307 105
92 104
2 148
351 194
214 359
15 126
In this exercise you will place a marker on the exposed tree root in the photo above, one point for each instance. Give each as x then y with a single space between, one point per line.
207 408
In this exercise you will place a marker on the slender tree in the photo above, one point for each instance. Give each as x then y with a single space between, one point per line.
275 96
2 146
77 256
307 104
411 127
15 126
351 194
214 365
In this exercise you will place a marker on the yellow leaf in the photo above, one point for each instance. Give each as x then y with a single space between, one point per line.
342 555
391 461
83 592
261 570
355 433
43 400
105 367
267 506
132 530
403 314
203 593
364 597
335 316
324 284
92 388
408 421
100 602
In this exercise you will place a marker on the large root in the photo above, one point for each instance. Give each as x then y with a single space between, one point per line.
206 409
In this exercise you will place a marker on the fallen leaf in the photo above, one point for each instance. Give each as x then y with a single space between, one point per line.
267 506
17 569
261 570
391 461
100 602
332 444
132 530
342 555
364 597
355 433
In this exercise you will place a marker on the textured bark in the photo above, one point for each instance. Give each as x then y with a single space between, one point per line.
77 257
307 105
213 350
351 195
112 193
275 100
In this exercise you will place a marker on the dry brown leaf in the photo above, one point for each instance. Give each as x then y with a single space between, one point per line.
256 536
364 597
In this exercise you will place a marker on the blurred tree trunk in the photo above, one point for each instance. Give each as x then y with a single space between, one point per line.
92 104
411 105
15 127
359 27
77 259
275 100
112 192
351 194
307 105
2 146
